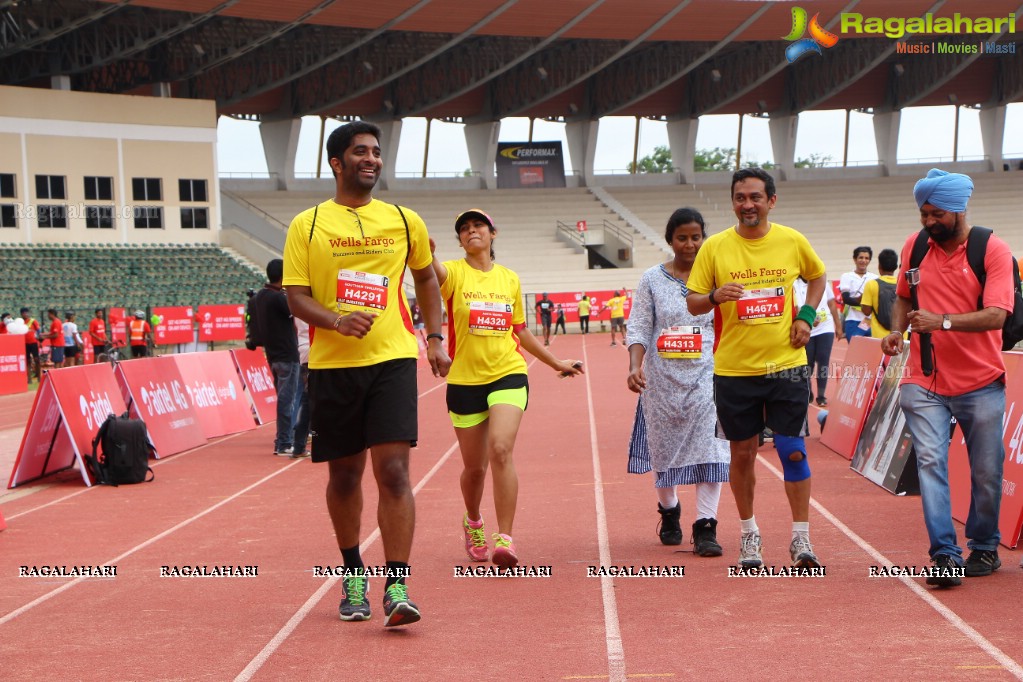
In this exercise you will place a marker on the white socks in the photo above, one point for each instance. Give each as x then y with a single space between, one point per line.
707 497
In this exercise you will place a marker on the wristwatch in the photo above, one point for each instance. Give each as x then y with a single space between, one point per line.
946 321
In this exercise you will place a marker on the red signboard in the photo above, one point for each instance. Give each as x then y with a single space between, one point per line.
117 325
853 393
258 381
174 326
156 394
215 392
580 225
13 375
1010 517
221 322
68 410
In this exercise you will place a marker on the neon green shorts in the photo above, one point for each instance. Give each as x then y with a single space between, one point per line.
470 405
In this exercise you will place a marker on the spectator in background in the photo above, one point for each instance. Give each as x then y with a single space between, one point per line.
31 343
274 326
851 287
417 321
879 294
584 314
560 321
140 335
98 334
546 308
3 322
300 443
616 304
56 338
827 327
72 341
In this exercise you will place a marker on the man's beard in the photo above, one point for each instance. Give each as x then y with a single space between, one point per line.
940 233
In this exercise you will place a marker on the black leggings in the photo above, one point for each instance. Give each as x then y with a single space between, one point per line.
560 323
818 355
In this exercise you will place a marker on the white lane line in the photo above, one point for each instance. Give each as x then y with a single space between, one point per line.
67 586
612 629
261 658
1010 665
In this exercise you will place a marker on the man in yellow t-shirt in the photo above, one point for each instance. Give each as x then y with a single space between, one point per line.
344 263
870 303
616 304
584 313
745 274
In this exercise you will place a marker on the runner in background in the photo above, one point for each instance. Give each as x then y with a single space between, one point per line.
671 366
487 386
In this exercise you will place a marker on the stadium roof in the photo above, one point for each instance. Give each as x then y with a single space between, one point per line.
484 60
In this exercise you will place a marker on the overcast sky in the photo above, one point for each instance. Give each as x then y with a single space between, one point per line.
926 134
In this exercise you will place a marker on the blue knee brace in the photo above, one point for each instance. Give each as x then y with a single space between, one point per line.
786 445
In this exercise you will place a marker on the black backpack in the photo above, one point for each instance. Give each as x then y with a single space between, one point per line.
976 247
885 300
124 443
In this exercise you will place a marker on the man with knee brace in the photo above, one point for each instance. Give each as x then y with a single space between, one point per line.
760 372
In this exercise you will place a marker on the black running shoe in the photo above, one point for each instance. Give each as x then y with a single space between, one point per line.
982 562
705 538
354 605
669 528
397 607
948 572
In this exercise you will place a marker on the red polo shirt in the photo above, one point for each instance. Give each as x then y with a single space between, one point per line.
964 361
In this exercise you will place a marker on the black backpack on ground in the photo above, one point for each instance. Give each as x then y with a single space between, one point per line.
124 448
885 301
976 247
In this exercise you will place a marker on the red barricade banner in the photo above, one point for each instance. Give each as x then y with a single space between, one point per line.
13 373
175 325
3 524
221 322
854 390
214 390
155 393
67 412
258 380
1010 517
117 325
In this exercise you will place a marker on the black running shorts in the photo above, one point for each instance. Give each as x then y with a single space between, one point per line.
355 408
778 400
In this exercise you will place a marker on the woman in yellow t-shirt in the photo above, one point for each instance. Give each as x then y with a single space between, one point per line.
487 385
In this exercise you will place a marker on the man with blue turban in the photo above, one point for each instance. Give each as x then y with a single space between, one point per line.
964 320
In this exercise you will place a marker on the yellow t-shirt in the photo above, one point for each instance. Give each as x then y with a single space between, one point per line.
617 306
482 309
356 261
869 297
753 333
584 306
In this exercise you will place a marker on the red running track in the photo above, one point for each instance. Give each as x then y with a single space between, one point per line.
231 502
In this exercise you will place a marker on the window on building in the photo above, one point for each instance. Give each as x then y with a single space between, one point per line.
196 218
99 188
192 190
53 215
146 189
150 217
50 187
7 185
99 217
8 215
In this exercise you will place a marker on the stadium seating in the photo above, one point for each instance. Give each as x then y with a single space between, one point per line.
83 278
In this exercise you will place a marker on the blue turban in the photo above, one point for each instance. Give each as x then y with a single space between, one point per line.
947 191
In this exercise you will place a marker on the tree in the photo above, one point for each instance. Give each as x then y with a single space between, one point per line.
716 159
813 161
658 162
